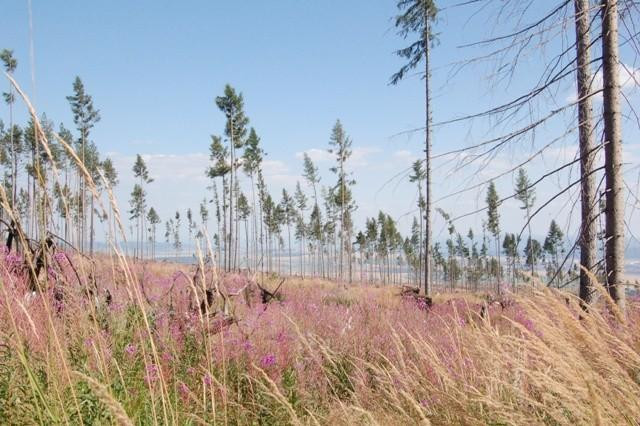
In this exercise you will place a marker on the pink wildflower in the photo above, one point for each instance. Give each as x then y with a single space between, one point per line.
130 349
152 373
183 389
268 361
207 379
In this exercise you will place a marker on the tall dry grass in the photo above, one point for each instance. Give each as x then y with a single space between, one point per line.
325 354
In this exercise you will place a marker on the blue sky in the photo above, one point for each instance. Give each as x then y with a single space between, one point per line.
155 67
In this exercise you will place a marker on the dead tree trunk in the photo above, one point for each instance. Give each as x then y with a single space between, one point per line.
588 247
614 209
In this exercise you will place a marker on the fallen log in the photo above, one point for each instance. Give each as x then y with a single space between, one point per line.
267 296
406 290
413 294
218 325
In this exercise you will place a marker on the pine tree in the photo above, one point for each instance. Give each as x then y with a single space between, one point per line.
416 18
168 225
232 106
532 252
526 194
451 267
251 163
476 266
191 226
510 248
316 234
493 222
340 146
111 177
138 208
85 117
217 236
288 209
301 228
32 169
361 241
154 220
177 244
204 214
66 206
329 231
244 211
310 173
219 169
10 65
417 177
553 246
372 238
414 255
141 172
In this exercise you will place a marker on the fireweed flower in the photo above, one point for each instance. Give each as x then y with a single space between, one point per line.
207 379
13 259
246 345
130 349
60 257
281 337
268 361
152 373
183 390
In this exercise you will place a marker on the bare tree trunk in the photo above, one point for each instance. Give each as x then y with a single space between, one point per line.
91 231
254 265
218 246
224 225
82 197
235 237
246 237
230 248
614 210
14 153
421 244
588 248
301 260
290 261
427 251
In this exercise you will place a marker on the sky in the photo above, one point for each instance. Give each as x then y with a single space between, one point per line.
154 69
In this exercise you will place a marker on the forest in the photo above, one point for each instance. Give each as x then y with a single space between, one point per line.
503 293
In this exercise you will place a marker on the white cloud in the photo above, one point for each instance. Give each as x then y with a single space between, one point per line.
629 81
277 176
317 155
359 155
274 167
165 166
141 142
404 156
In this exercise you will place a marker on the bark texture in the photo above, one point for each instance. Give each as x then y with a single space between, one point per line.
588 231
614 210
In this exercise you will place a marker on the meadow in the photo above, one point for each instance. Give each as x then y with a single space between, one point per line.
113 341
485 286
